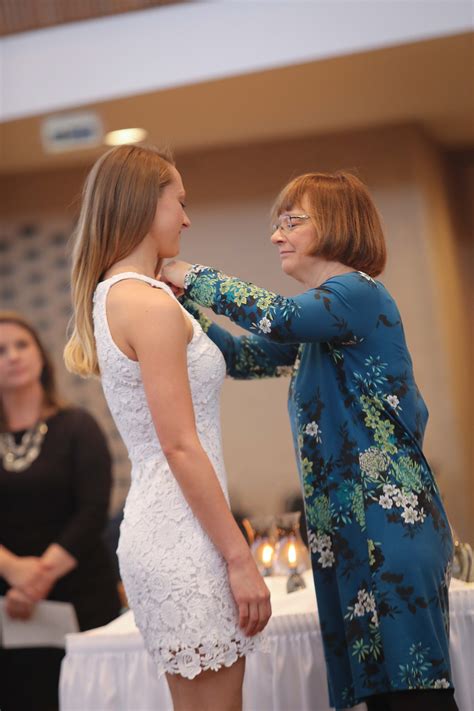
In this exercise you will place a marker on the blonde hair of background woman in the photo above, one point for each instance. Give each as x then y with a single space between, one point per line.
118 208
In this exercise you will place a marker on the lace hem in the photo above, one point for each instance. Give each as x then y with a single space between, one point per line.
191 661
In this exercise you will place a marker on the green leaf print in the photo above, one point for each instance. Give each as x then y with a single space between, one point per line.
320 514
408 474
205 290
382 427
360 650
358 508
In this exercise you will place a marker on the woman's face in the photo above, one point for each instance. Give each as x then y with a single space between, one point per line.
294 238
21 362
170 217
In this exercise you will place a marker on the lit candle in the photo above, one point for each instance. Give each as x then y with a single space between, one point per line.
292 556
295 581
267 554
267 557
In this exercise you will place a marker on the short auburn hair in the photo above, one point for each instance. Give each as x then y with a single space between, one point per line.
348 226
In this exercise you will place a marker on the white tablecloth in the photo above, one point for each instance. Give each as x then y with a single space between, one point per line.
108 669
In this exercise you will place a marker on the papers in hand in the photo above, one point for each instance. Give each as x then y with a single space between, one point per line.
47 626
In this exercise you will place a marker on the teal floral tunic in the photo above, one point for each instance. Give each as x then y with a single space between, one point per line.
380 540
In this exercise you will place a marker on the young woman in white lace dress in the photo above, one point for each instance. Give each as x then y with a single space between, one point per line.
194 588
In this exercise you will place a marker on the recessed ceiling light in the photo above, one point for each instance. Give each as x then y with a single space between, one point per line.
125 135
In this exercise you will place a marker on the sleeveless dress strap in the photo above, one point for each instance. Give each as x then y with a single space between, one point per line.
140 277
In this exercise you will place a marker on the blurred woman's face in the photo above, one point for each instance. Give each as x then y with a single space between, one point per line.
21 362
170 217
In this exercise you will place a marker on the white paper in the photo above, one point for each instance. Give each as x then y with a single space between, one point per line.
47 626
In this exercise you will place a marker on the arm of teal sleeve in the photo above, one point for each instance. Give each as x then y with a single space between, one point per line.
246 357
343 310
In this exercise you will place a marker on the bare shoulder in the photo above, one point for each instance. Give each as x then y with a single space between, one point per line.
136 291
143 316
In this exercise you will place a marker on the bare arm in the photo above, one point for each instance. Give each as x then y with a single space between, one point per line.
161 352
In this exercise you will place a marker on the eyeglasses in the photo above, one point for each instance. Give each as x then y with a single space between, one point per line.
287 223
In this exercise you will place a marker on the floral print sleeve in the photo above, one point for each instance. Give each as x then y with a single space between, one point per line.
334 312
247 357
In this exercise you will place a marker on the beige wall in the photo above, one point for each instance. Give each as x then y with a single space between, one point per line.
230 192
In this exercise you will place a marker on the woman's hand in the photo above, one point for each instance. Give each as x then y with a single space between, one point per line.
18 605
251 595
173 274
31 576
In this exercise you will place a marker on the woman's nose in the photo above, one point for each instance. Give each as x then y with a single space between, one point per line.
276 236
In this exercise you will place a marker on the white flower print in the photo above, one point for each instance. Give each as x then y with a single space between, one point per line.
441 684
390 490
321 544
365 604
326 559
370 603
393 401
313 542
393 496
373 461
318 543
265 325
409 515
312 429
399 499
411 499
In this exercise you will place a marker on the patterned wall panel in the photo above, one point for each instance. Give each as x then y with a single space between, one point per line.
35 280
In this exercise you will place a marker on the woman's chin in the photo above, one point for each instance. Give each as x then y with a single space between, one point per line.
169 253
285 267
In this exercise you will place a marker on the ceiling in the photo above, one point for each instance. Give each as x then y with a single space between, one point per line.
427 82
25 15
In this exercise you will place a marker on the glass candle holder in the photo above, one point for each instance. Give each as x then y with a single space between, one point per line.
259 530
291 554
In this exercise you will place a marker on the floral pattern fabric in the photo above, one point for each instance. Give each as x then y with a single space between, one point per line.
380 540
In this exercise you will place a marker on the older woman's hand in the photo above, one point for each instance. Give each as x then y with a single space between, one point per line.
173 274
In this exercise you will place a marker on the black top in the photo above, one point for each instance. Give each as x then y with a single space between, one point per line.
63 498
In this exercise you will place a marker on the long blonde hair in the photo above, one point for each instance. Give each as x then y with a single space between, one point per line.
118 207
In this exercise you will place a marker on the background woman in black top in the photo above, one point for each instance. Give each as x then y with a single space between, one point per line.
55 479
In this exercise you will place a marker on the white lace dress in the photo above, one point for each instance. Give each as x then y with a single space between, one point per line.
175 578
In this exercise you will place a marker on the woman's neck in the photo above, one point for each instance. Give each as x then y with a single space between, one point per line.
318 272
23 407
142 260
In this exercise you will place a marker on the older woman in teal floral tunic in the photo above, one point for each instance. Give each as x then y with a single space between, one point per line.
380 540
